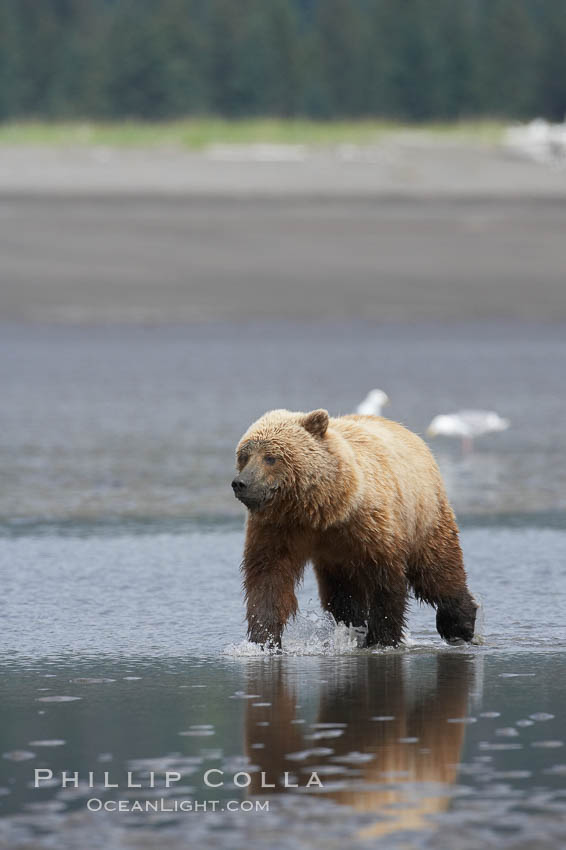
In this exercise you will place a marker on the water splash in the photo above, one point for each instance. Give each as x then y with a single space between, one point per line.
309 633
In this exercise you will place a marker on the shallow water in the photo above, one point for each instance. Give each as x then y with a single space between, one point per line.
172 594
113 422
422 748
125 651
123 642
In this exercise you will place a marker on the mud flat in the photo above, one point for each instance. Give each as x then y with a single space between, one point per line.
395 233
155 260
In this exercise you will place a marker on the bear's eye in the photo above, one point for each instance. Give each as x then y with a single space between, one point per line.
270 459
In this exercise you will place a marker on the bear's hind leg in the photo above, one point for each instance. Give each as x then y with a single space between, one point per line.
437 576
342 596
456 618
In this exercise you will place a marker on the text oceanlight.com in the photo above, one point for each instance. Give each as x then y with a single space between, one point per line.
95 804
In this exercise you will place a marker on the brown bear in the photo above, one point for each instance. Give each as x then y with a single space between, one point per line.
362 498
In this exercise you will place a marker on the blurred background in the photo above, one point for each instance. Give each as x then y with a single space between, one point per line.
413 60
212 208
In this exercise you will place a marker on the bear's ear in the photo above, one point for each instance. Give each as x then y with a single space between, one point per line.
316 422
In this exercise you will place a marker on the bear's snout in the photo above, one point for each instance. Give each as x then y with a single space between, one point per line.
239 486
252 493
246 494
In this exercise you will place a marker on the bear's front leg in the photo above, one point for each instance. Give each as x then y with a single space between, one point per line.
270 574
270 602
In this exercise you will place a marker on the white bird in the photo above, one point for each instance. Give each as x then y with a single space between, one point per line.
467 424
373 403
538 140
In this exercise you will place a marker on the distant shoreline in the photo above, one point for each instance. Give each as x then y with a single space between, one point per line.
202 132
395 167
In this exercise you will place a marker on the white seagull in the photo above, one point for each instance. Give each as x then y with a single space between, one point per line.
373 403
467 424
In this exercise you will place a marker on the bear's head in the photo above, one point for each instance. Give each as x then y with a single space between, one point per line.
283 461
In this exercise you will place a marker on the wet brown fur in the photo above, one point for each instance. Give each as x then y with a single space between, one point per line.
362 498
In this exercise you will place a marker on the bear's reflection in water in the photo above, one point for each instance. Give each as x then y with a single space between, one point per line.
382 735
